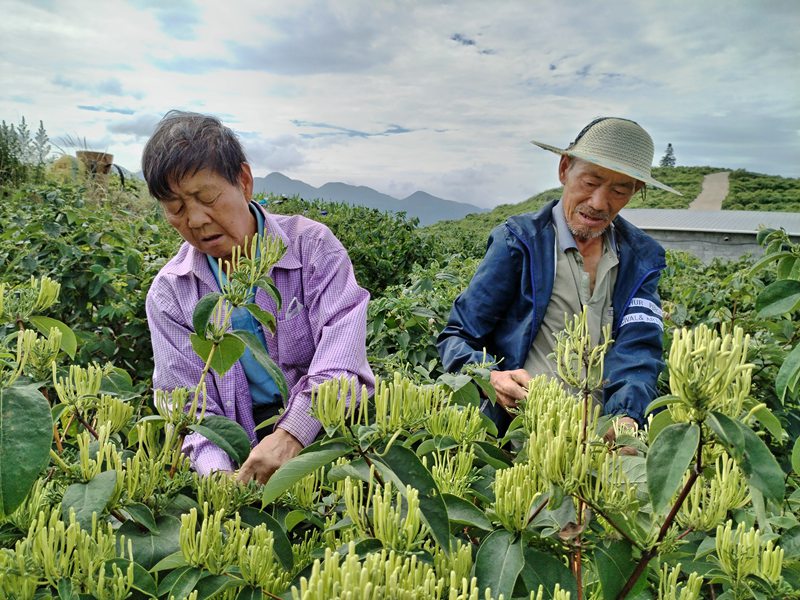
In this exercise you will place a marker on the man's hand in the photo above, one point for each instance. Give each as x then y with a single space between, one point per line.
272 452
510 386
611 435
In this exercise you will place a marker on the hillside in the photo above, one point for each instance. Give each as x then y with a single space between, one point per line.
420 205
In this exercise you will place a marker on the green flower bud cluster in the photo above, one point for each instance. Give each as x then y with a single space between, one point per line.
457 564
216 545
578 361
94 457
708 372
43 355
248 269
452 471
562 459
670 589
332 405
399 528
306 492
542 594
402 405
219 492
10 371
113 412
547 405
610 487
381 575
28 511
20 302
80 389
53 551
712 497
516 489
741 554
258 563
462 423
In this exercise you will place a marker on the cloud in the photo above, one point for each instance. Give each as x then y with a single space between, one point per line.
336 130
110 86
463 40
280 153
108 109
140 126
178 18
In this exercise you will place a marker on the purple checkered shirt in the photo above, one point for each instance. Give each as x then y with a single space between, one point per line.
325 339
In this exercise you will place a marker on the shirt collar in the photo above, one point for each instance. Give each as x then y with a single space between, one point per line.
566 240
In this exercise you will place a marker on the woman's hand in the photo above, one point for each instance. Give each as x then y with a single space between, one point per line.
266 458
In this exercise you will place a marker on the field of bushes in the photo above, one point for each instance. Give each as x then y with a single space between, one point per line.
409 493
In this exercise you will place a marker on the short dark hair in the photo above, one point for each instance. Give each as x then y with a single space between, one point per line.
182 144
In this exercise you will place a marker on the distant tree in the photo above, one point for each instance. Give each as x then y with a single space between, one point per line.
668 160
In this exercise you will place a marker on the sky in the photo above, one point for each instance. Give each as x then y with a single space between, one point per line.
409 95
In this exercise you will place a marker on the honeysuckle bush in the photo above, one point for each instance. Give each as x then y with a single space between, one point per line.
408 493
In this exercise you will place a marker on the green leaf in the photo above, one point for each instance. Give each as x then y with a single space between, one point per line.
250 593
796 456
269 286
180 582
88 498
614 566
281 543
202 312
657 425
264 359
142 580
408 468
499 562
546 570
661 402
762 470
294 518
266 318
767 260
463 512
176 560
141 515
788 373
728 432
301 465
26 430
228 351
491 454
69 343
770 421
150 548
778 298
667 461
227 434
66 591
212 585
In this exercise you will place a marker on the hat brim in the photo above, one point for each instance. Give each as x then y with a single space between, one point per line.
611 165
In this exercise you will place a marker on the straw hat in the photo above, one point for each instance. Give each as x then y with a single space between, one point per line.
620 145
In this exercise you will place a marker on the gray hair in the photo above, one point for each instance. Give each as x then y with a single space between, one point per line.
182 144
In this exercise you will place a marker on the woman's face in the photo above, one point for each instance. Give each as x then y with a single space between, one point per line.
210 213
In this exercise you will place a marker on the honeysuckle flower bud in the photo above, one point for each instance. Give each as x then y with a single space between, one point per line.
579 362
47 291
708 372
80 389
670 589
711 498
462 423
398 527
452 471
113 412
402 405
516 489
741 554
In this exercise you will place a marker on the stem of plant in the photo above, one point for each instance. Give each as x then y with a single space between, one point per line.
86 425
653 550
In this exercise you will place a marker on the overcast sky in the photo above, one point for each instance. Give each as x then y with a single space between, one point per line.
400 96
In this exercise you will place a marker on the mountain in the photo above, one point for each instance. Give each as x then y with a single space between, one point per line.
426 207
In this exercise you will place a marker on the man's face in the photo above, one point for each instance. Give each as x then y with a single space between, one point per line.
593 196
210 213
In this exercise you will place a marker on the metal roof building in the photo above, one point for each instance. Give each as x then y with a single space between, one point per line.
711 233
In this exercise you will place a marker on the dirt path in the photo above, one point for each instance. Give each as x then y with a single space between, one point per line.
715 188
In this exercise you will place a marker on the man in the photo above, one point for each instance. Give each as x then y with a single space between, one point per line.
197 170
573 253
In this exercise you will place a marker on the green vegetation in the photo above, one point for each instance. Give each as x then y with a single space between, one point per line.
409 493
754 191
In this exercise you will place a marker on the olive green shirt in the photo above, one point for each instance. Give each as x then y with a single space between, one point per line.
571 292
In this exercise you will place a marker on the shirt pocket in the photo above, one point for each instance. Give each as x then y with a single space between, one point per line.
295 340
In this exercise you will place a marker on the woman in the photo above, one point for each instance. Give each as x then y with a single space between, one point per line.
196 168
